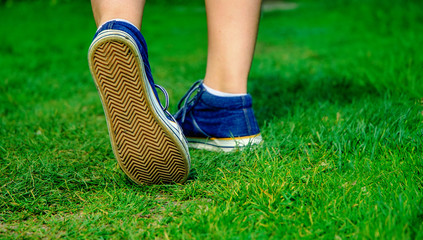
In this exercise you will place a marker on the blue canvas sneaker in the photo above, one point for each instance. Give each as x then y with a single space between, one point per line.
147 142
217 123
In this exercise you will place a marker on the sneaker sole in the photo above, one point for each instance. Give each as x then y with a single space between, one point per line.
224 144
146 148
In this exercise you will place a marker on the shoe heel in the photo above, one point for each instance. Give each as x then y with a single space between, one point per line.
145 149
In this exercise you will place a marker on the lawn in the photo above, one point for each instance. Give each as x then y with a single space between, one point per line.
337 88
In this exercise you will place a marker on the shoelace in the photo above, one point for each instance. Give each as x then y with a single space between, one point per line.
167 113
186 99
166 106
166 96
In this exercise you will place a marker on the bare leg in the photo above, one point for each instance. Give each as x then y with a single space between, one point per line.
130 10
232 33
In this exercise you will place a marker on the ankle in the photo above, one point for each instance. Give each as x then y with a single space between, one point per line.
228 85
117 19
222 94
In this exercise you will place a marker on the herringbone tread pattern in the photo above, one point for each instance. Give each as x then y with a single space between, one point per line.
145 151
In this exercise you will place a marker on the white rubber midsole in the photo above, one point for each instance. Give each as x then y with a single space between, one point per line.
225 144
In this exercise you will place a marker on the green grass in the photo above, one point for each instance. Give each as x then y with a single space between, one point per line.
337 92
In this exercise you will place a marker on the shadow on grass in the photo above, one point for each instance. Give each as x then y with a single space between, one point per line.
276 97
